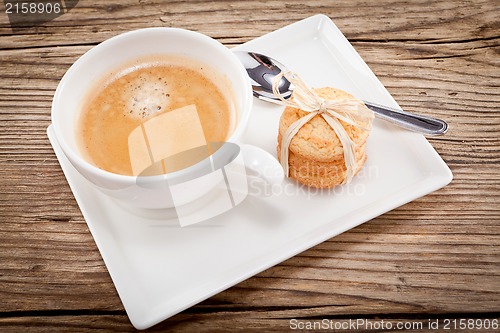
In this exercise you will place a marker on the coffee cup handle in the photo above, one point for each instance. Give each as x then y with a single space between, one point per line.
262 164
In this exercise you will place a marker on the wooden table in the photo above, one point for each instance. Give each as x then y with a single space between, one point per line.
437 257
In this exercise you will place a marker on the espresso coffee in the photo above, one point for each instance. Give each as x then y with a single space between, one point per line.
130 97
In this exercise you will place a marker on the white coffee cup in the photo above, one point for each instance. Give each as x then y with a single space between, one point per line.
111 54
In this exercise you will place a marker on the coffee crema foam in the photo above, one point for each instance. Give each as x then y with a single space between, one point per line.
150 87
144 97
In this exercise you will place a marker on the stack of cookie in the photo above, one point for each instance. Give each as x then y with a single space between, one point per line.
316 155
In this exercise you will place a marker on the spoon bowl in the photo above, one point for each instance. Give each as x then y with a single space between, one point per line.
262 70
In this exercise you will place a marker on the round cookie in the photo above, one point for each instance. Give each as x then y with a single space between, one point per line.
316 139
316 155
320 174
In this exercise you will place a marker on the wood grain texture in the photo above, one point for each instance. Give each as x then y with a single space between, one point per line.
436 257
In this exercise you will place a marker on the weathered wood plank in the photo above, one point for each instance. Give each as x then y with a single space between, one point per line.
276 320
93 21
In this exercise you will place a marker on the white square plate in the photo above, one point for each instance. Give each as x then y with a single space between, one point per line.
160 269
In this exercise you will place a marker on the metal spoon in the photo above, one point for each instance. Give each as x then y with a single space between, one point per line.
262 69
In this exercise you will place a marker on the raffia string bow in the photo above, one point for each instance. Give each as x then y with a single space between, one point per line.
351 111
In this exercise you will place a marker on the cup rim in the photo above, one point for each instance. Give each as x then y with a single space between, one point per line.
89 167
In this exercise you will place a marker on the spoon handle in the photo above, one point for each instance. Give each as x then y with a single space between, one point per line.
414 122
